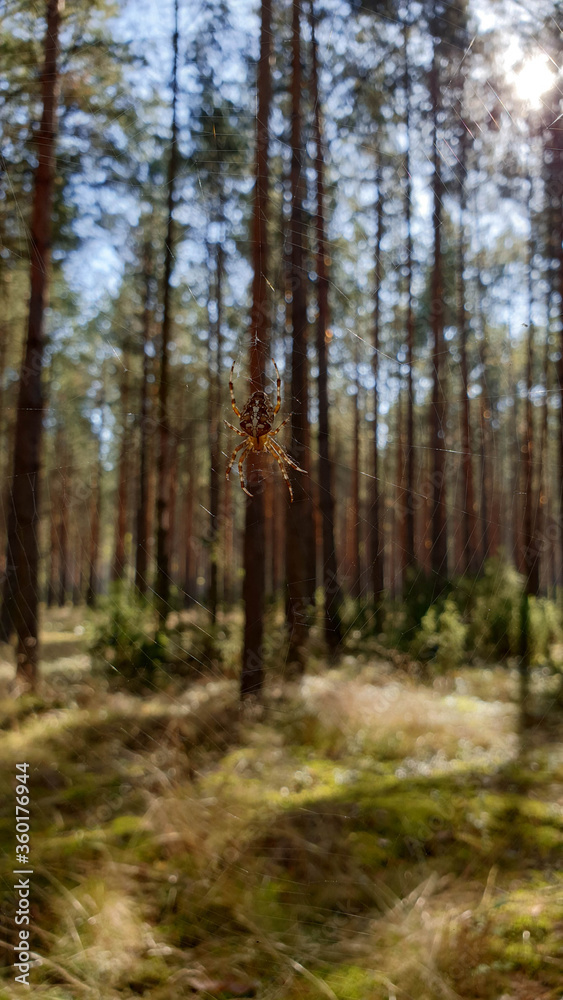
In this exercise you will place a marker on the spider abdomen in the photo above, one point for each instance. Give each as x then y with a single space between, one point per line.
257 416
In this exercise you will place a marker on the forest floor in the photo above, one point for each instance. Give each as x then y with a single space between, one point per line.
365 835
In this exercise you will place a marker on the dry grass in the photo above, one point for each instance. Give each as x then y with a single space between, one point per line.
364 837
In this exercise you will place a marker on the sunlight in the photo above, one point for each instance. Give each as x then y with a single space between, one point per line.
533 80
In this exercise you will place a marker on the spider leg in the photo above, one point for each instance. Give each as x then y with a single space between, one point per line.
234 455
280 450
278 386
249 447
235 429
278 429
233 403
270 447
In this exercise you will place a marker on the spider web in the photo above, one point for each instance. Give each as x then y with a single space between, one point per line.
351 334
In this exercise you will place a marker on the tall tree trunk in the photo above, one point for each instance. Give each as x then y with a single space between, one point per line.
119 560
147 426
214 396
439 551
162 584
189 554
54 546
299 520
254 558
470 554
63 525
410 506
332 592
399 507
529 541
21 596
96 515
355 566
377 553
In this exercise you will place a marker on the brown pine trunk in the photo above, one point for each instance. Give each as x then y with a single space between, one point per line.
530 554
63 527
213 399
399 532
21 596
96 518
252 675
162 583
332 592
439 538
300 539
355 495
54 549
173 453
485 437
377 548
470 551
119 559
545 577
410 504
146 430
189 554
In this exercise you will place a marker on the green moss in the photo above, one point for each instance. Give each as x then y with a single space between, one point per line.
350 982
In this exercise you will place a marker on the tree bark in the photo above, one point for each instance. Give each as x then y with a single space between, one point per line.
377 553
470 554
410 506
254 556
21 596
355 581
119 560
332 591
439 538
299 521
162 584
63 524
146 428
96 515
214 396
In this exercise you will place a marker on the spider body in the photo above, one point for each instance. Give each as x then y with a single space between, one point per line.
256 420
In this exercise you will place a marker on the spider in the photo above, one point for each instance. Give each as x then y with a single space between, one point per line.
256 420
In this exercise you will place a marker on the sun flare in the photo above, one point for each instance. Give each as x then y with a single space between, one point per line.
533 80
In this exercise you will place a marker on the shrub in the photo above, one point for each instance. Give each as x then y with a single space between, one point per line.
441 637
126 645
494 608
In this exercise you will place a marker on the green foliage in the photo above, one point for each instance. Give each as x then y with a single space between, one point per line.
494 608
481 617
442 637
126 644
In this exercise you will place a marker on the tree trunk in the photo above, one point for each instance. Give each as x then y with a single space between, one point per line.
63 525
214 396
299 520
54 546
119 560
147 427
162 584
96 516
355 497
377 554
252 675
439 551
470 553
410 505
189 554
21 596
332 592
